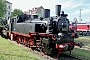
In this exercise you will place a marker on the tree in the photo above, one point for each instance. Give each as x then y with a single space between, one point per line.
17 12
75 20
2 8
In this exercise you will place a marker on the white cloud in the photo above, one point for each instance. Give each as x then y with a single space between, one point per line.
67 4
70 4
28 4
83 11
77 4
49 4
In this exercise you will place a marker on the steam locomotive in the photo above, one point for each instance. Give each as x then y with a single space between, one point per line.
50 35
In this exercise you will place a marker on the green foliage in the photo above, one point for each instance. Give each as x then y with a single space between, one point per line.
2 8
17 12
75 20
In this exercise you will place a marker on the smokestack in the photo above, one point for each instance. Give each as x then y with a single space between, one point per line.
45 13
58 10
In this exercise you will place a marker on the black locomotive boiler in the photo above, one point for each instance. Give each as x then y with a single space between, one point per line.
50 35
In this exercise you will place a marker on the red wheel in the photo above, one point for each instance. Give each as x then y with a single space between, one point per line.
18 39
24 41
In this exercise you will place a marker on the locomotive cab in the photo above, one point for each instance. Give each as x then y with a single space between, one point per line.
40 28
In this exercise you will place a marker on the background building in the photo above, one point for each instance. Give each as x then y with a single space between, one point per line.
9 9
35 11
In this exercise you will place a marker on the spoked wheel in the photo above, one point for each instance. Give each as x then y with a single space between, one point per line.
41 46
24 41
18 39
27 42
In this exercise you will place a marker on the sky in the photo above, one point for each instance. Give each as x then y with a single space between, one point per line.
70 7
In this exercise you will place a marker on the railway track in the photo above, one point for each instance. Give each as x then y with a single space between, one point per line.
70 57
61 57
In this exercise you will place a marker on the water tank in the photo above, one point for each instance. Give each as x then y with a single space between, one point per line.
45 13
58 10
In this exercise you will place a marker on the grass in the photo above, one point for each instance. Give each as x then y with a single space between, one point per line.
85 51
10 51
